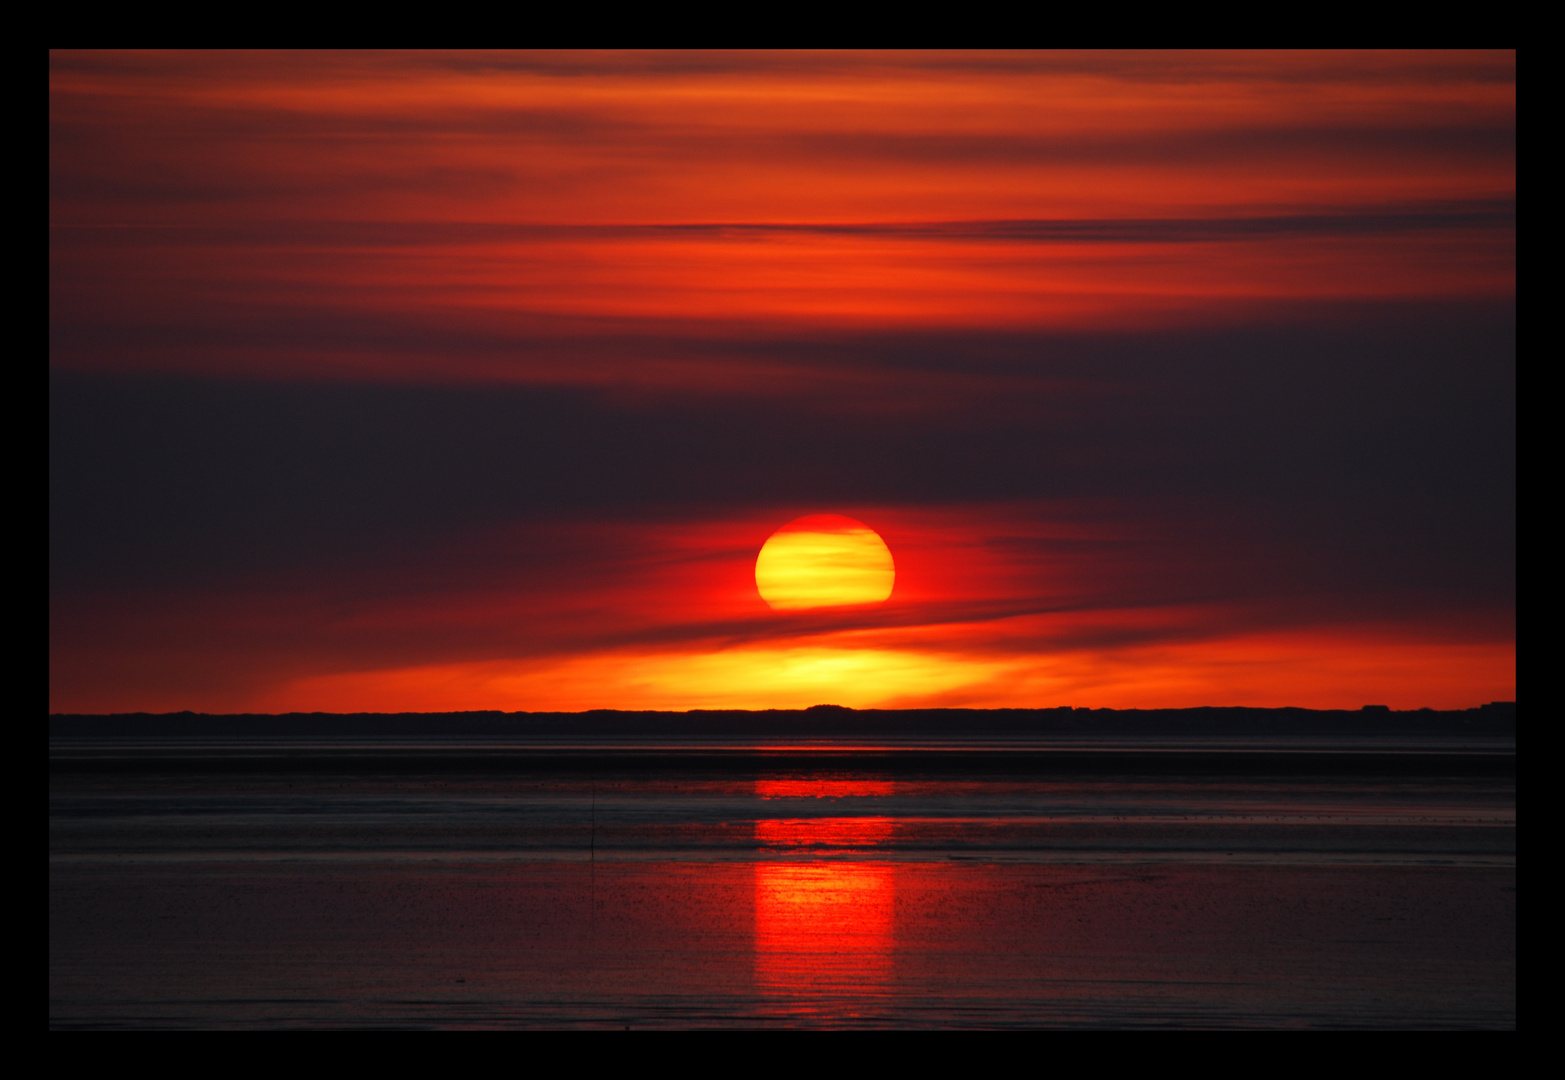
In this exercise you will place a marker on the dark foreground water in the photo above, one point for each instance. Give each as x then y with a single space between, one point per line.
290 885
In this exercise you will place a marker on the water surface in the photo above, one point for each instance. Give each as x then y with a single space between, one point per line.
223 884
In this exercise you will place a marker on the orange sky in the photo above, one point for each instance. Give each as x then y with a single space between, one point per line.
1107 272
767 193
993 607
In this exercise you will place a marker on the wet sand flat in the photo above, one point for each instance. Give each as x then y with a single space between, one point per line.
782 894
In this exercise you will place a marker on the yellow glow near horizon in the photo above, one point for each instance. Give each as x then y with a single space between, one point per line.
824 560
744 678
864 672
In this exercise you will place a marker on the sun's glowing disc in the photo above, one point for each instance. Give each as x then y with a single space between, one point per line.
824 560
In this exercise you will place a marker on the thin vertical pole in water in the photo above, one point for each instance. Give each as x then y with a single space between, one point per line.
592 865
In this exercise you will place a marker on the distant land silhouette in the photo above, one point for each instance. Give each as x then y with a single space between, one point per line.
1496 719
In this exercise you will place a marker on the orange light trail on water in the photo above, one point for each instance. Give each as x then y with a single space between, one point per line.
824 927
824 924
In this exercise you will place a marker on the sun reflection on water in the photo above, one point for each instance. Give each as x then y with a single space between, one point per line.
823 926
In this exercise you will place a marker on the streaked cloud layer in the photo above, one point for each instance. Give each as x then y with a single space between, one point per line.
478 380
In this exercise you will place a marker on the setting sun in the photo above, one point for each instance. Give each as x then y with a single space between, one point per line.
824 560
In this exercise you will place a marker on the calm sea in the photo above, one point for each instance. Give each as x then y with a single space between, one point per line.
276 883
